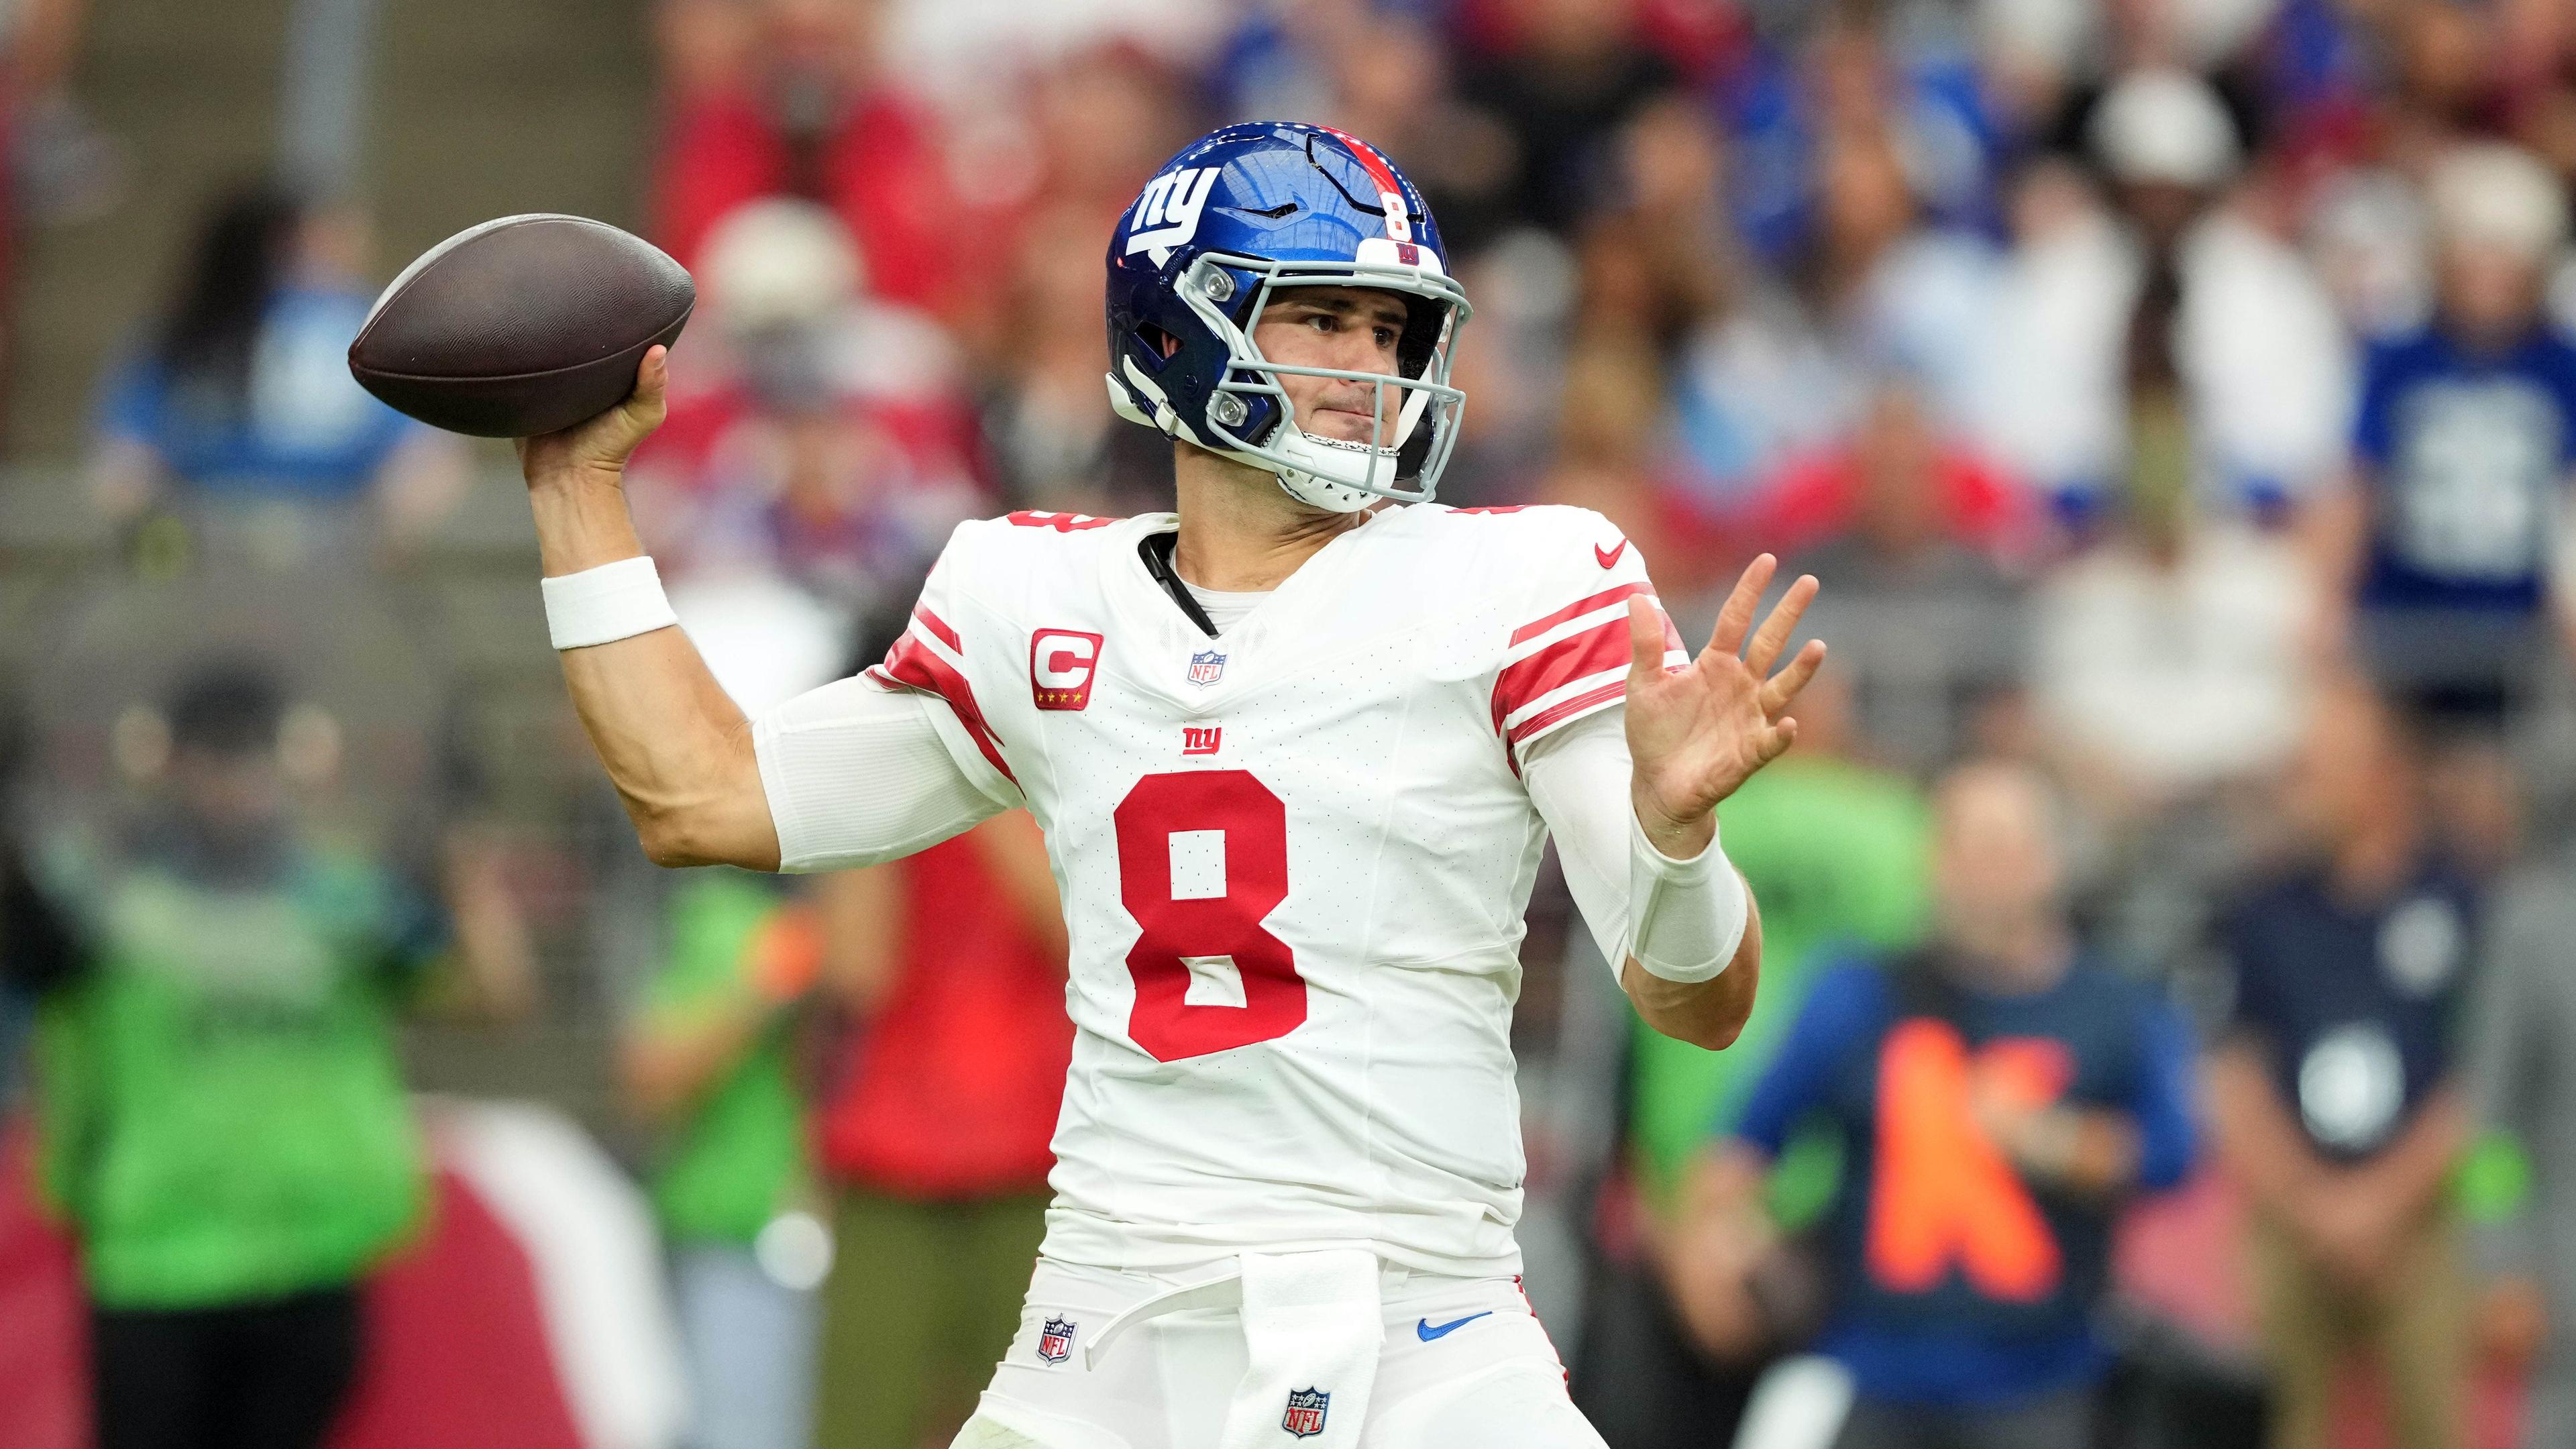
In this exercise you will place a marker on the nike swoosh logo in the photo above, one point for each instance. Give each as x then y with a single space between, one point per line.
1424 1331
1609 556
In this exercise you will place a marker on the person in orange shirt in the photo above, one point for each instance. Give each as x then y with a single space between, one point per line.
1998 1096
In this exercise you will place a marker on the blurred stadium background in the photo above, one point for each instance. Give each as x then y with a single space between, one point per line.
2070 342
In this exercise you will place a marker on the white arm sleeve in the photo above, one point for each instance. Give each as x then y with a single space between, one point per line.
1693 911
856 774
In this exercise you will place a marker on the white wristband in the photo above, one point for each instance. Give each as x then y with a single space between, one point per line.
1685 917
603 605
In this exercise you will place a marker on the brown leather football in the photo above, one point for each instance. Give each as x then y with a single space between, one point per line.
521 326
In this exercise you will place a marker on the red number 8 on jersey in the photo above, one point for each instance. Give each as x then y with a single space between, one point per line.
1202 858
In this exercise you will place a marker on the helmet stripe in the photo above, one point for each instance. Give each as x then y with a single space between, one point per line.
1381 174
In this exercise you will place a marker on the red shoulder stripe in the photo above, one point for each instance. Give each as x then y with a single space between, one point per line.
911 664
1604 646
1563 708
938 628
1579 607
1060 522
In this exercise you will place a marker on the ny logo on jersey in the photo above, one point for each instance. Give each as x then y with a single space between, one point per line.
1171 205
1201 739
1061 663
1207 667
1055 1340
1306 1409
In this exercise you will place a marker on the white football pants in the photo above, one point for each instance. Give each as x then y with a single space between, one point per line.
1462 1364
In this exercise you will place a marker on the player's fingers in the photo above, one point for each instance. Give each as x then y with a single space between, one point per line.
1781 688
1774 633
1645 642
1736 615
1781 736
652 383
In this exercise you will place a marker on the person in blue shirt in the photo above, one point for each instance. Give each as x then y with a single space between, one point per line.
2463 444
241 390
2335 1097
1999 1096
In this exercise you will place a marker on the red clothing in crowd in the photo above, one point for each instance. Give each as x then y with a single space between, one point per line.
1814 499
881 168
950 1089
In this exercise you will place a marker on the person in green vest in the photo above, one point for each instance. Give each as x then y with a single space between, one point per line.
708 1056
1837 851
221 1116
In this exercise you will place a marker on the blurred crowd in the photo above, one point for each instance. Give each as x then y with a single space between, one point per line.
2166 983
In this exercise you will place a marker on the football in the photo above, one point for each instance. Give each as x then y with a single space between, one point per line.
520 326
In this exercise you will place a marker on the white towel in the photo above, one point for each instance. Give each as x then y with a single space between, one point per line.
1312 1326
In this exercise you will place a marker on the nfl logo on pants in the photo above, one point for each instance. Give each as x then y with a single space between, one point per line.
1055 1340
1305 1414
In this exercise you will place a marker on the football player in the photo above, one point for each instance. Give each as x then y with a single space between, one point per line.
1296 748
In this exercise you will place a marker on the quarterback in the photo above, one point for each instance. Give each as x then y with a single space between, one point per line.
1296 748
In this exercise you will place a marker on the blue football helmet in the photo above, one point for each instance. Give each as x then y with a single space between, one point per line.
1239 213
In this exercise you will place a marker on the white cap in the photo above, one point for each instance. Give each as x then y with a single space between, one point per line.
2164 125
2490 194
777 261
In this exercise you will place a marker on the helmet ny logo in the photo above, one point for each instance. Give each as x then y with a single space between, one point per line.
1171 205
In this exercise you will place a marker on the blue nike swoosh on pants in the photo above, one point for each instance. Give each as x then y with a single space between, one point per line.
1424 1331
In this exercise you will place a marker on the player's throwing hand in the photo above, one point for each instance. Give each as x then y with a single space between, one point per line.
1697 733
600 445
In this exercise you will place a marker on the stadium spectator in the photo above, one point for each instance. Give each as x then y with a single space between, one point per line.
1838 845
791 97
1807 81
1559 77
975 58
241 392
1895 291
2169 659
1047 428
1756 378
1607 458
824 437
1391 78
1819 496
2440 546
2523 1016
1924 621
2187 286
1999 1095
2334 1097
709 1056
934 1125
222 1120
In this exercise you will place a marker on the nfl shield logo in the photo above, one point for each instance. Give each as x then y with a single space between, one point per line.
1305 1416
1055 1340
1206 667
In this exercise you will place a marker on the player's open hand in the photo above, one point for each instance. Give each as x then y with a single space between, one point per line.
598 449
1698 732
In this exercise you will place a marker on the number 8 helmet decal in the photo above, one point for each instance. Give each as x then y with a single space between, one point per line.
1239 214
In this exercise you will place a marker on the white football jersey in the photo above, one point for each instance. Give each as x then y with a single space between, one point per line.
1294 861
